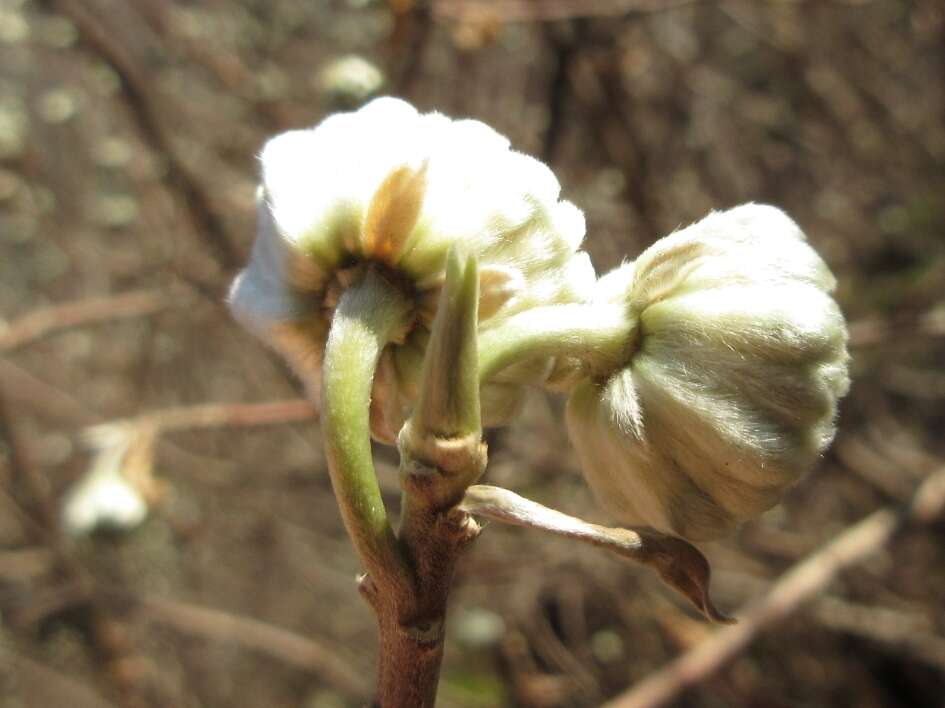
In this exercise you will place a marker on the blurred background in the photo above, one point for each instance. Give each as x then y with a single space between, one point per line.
128 136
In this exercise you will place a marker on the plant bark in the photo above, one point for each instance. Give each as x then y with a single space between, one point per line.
412 625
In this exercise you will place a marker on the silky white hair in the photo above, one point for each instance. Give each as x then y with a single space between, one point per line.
730 393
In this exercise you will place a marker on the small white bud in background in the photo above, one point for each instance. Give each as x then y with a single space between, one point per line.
735 360
114 494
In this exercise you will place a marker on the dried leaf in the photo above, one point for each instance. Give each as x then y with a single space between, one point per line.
679 563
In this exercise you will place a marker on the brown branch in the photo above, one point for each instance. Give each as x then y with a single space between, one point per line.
131 443
75 588
26 392
409 38
800 584
46 686
40 323
875 331
29 488
909 634
25 563
254 634
551 10
598 88
139 90
220 415
556 10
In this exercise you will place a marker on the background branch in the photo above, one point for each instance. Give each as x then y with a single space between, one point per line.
40 323
222 415
147 107
300 652
801 583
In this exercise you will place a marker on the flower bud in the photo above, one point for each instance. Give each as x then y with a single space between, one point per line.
390 189
350 80
107 497
735 359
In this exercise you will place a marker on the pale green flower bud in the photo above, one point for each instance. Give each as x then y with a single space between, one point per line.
735 359
391 189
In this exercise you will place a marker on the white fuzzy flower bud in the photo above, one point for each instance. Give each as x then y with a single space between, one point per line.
736 357
391 189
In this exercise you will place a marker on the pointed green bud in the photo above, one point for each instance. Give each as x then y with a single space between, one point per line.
448 405
441 445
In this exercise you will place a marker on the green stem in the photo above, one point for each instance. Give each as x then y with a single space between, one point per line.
599 334
442 453
368 314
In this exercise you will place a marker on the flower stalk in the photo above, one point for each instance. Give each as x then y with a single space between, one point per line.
368 314
442 453
595 333
408 574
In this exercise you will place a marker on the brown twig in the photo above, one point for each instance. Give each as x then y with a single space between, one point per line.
789 593
75 589
410 35
563 47
133 441
875 331
139 91
26 392
40 323
909 634
232 415
26 562
265 638
28 486
45 686
555 10
219 415
551 10
600 91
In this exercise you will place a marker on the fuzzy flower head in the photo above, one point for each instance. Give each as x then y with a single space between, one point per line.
735 360
393 190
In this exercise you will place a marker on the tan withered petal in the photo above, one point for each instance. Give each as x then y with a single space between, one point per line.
497 286
393 212
388 185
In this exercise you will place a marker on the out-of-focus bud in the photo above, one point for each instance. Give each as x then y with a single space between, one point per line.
391 189
350 80
114 494
735 359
